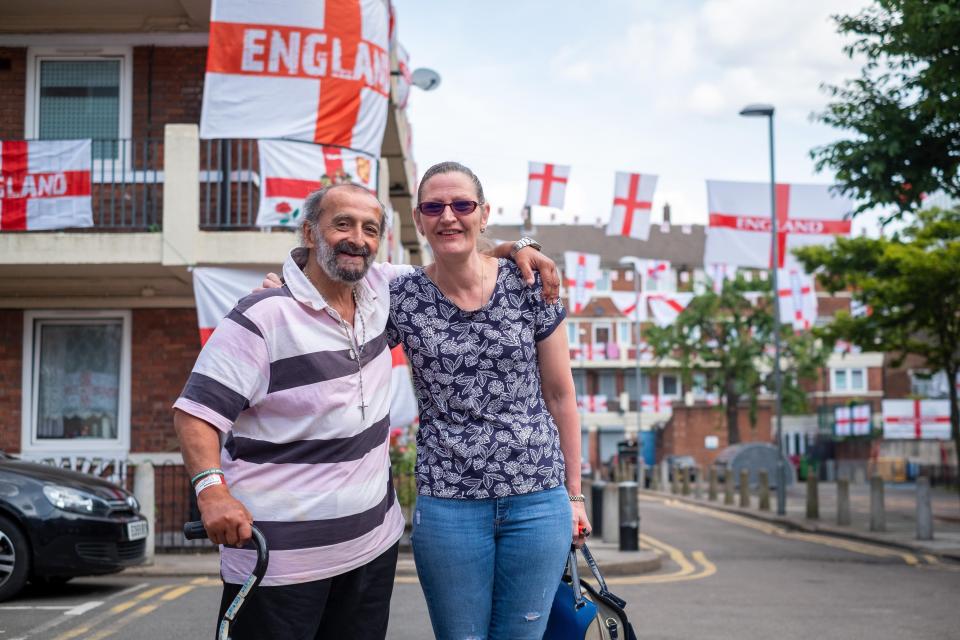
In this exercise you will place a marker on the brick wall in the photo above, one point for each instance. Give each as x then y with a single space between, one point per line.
165 346
13 82
167 87
11 372
684 434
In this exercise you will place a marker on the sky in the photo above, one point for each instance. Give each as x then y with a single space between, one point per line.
620 85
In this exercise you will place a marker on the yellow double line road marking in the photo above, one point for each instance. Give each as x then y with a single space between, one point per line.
854 546
697 569
144 603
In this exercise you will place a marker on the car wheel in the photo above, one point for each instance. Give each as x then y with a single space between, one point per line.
14 559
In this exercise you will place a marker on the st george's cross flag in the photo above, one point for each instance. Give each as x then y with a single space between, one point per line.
547 184
653 269
44 184
592 403
916 419
581 272
797 297
290 171
666 307
853 420
655 404
632 201
627 303
217 291
739 232
313 70
719 273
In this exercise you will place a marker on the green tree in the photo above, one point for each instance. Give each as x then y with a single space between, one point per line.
911 282
903 110
729 336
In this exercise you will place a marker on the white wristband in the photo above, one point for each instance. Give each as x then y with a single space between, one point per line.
209 481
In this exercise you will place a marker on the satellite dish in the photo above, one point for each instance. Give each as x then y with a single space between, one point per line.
426 79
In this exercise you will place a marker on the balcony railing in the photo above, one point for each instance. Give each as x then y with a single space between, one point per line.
127 186
229 184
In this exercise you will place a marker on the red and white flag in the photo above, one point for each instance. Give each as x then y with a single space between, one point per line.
654 269
797 298
916 419
290 171
719 273
403 400
44 184
405 79
740 222
314 70
592 403
842 346
547 184
656 404
581 272
666 307
852 421
626 303
217 290
632 201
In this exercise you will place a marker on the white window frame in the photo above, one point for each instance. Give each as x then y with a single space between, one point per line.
849 375
31 125
626 333
29 443
663 394
602 325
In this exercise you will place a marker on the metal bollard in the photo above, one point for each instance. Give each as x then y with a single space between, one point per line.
144 481
843 502
675 480
813 495
684 480
712 488
641 474
655 478
878 516
728 486
744 489
664 476
611 513
763 490
629 517
697 482
596 508
924 510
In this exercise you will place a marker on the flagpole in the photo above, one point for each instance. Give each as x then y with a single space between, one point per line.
636 350
767 111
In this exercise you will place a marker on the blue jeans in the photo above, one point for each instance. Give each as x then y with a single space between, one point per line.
489 568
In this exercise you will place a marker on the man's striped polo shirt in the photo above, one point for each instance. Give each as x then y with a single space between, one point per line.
279 378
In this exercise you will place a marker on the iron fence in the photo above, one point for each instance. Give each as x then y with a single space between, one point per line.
127 184
229 184
176 503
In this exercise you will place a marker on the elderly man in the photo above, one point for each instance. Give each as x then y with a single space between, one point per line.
295 383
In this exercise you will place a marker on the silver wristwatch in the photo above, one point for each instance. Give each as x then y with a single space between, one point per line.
523 243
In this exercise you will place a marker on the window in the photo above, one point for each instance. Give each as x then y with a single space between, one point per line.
848 380
573 333
580 382
602 333
76 391
630 383
607 384
665 282
88 96
626 330
699 384
669 385
603 280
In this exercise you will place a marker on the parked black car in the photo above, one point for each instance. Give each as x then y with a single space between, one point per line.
57 524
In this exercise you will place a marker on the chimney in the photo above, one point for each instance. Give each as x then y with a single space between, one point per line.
666 212
576 219
527 216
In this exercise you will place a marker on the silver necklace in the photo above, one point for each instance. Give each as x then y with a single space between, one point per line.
356 349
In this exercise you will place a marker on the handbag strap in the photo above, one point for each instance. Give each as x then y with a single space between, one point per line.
578 599
594 569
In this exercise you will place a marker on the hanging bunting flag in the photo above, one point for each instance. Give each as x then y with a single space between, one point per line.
853 420
581 272
666 307
654 269
719 273
547 184
627 304
740 222
916 419
404 79
45 184
844 347
290 171
592 403
656 404
632 201
797 298
314 70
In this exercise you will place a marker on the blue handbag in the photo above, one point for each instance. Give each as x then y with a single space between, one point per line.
581 612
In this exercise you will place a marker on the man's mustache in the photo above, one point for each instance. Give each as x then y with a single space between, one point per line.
345 246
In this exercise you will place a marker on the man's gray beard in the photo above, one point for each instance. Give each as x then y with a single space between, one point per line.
327 259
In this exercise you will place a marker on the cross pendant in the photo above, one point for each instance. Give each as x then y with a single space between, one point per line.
363 410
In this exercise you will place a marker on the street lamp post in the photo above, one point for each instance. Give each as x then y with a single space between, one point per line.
633 263
766 110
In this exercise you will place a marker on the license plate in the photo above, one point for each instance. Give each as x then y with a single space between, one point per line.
137 530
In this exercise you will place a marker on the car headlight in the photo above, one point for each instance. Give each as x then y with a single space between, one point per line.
133 503
74 500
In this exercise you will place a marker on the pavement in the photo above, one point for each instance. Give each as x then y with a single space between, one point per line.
899 507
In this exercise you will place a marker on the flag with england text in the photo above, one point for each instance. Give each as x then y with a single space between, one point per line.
290 171
313 70
797 297
632 202
45 184
217 291
739 232
547 184
581 272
